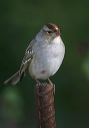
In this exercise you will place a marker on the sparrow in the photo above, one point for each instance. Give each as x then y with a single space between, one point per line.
43 56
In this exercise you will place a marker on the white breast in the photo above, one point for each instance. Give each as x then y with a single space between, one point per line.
47 59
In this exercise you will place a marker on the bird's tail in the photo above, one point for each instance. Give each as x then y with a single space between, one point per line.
14 79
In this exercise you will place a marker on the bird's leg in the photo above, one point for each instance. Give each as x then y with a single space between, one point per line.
50 82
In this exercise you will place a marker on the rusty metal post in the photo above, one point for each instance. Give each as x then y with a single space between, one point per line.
45 106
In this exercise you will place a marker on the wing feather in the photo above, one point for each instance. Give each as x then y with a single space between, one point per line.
27 58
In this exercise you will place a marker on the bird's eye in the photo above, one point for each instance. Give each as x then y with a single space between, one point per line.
49 32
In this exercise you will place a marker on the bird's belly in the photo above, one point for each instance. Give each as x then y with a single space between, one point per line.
44 67
46 62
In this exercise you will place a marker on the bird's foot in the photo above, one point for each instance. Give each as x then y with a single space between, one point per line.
40 83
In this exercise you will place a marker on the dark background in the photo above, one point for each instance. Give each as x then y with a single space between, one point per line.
20 20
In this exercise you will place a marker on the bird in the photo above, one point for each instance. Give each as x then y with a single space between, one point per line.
43 56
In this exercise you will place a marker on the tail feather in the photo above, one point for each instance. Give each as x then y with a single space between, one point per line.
14 79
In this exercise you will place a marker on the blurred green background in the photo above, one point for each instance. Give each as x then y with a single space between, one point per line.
20 20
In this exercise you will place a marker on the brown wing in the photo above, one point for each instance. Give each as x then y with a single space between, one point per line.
14 79
27 58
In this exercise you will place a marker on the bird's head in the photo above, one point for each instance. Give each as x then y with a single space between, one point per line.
49 31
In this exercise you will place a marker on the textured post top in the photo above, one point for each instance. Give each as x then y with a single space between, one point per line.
45 105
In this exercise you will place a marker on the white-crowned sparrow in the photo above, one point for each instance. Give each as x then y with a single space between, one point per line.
43 56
